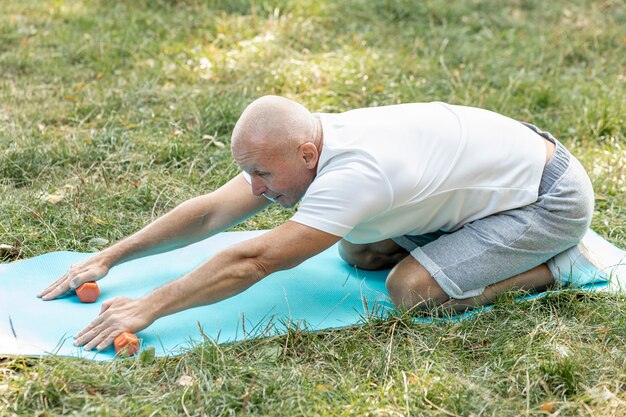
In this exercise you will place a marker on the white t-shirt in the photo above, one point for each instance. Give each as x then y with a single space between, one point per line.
417 168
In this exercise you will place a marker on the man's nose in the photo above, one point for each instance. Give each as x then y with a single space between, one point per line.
257 187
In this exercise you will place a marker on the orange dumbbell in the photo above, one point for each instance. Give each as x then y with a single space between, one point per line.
88 292
126 344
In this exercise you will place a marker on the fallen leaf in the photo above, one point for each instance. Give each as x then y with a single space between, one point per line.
9 253
53 198
412 379
98 242
481 344
213 141
548 406
148 355
127 123
321 388
7 249
97 220
185 381
270 352
601 394
454 327
562 350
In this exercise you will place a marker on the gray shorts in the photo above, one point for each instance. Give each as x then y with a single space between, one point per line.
508 243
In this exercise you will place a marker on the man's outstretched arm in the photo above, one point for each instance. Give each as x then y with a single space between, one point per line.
226 274
189 222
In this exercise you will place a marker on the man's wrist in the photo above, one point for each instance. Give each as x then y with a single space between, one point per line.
110 256
102 259
152 306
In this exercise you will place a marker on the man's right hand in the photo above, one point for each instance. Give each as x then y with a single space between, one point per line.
92 269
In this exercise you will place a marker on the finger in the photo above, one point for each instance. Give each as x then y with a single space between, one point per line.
108 303
96 322
62 282
68 292
61 290
52 286
79 279
99 339
72 281
108 340
89 335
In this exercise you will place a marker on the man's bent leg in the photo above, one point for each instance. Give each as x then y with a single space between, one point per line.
411 286
536 280
379 255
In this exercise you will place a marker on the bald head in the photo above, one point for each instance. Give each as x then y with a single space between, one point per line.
275 123
278 143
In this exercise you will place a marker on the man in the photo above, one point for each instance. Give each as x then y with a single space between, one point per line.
464 204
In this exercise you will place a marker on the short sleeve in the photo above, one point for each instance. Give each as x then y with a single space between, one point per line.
341 197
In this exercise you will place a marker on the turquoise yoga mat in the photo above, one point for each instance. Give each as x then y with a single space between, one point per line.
321 293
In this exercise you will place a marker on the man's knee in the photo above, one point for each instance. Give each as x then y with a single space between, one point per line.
379 255
358 255
411 286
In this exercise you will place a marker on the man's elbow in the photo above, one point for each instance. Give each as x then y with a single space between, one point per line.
248 264
261 268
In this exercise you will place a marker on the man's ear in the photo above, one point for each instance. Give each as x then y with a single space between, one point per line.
309 154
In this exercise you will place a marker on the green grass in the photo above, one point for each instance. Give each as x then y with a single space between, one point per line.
123 108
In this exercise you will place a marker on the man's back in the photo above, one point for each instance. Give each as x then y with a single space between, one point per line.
410 169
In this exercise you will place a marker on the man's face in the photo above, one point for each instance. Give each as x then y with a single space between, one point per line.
279 176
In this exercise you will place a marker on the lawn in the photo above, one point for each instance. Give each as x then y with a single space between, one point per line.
112 113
